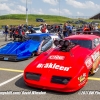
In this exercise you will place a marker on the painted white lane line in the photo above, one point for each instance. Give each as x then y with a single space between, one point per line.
1 84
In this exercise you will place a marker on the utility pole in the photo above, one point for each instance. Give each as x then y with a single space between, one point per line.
59 7
26 13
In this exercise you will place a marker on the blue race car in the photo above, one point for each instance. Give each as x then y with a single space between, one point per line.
34 44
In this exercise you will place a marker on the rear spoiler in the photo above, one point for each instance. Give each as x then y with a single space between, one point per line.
88 32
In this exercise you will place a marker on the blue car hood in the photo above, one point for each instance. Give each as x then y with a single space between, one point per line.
16 48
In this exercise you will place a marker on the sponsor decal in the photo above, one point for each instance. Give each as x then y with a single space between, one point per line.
96 63
95 55
88 62
82 77
83 82
53 66
56 57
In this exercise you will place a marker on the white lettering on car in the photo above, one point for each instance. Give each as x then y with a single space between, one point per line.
53 66
39 65
46 65
95 55
88 62
61 68
56 57
57 67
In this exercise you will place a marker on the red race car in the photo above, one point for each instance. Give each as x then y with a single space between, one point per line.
65 68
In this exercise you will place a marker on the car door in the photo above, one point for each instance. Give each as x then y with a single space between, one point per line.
96 53
47 43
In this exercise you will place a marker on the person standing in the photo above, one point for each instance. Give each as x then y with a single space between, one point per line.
69 29
65 30
86 30
43 28
10 32
6 32
59 31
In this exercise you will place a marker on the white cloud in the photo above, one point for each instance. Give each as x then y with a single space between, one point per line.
61 12
67 12
3 6
16 12
28 1
85 5
21 8
40 11
56 11
37 11
52 2
11 4
17 9
80 14
3 0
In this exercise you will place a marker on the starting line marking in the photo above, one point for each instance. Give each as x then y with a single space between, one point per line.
12 70
94 78
21 71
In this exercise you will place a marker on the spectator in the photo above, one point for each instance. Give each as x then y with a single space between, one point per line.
11 32
91 27
65 30
69 29
43 28
23 33
59 31
16 33
6 32
20 28
86 30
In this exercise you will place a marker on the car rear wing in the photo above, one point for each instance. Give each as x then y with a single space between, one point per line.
88 32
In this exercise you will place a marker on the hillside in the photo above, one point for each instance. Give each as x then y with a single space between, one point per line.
16 19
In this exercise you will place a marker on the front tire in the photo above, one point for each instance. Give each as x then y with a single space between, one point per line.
32 55
93 71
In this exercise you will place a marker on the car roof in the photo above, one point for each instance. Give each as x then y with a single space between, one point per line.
82 37
38 34
36 27
52 34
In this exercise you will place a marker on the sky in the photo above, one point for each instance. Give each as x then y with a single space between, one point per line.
68 8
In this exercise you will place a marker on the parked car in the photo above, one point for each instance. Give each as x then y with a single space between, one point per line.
65 68
38 29
39 20
33 44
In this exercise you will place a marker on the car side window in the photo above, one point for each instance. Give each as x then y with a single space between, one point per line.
46 39
96 42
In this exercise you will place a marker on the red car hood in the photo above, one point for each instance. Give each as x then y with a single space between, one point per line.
57 63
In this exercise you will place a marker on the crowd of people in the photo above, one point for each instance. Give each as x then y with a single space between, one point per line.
61 30
17 31
14 31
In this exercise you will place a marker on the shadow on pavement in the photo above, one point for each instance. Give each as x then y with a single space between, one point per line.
20 83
